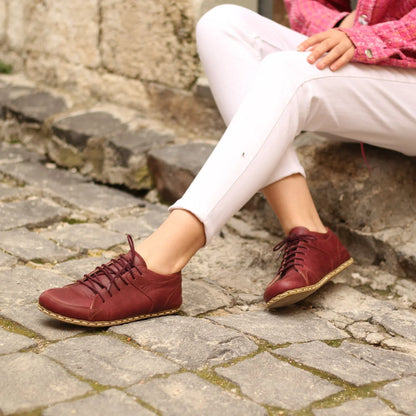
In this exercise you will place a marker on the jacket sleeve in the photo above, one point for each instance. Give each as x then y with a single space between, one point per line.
314 16
389 43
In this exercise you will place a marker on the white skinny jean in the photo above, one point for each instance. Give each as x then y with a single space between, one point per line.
268 93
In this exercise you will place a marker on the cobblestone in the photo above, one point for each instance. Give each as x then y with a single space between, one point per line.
84 237
18 394
31 318
399 322
23 285
107 403
32 246
276 383
337 362
351 347
188 395
191 342
30 213
10 342
88 357
291 325
367 407
400 394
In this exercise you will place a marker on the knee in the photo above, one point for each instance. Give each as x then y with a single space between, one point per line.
219 19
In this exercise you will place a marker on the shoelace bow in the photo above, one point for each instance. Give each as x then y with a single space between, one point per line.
113 271
292 247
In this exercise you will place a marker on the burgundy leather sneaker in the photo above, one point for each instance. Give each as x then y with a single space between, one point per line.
120 291
309 261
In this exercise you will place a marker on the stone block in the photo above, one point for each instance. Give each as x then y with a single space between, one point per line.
83 237
67 30
368 407
6 260
81 81
32 318
191 342
342 186
286 325
338 362
137 142
108 361
72 188
20 393
3 17
16 23
119 90
400 394
355 202
188 395
9 193
10 93
30 246
201 297
276 383
10 342
23 285
108 403
174 167
140 225
402 322
397 362
400 344
121 159
159 35
33 212
349 302
235 264
36 107
75 269
77 129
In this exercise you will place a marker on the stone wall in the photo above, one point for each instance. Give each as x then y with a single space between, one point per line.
121 51
140 54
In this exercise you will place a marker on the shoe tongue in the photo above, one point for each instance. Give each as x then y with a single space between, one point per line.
298 231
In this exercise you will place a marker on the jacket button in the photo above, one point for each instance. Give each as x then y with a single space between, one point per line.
368 53
363 20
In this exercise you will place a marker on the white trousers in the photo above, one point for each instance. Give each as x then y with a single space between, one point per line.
268 93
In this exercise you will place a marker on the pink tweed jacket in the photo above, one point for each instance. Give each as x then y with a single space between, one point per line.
384 31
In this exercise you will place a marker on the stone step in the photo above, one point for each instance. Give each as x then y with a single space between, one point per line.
374 213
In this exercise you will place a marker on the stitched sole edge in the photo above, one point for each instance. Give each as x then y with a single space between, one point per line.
104 323
295 295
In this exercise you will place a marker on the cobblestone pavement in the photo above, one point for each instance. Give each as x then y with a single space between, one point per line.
348 350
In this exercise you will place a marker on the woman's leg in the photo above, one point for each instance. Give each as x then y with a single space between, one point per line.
232 41
292 203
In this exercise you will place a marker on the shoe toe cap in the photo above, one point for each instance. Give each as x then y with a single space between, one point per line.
65 302
283 285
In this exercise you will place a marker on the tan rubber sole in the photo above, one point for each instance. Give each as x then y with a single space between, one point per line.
296 295
97 324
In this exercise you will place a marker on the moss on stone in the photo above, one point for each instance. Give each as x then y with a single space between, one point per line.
16 328
5 68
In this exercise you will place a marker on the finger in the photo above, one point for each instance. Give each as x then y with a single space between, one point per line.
332 56
343 60
320 49
306 44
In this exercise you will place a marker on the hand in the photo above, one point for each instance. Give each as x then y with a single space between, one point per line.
334 44
348 20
